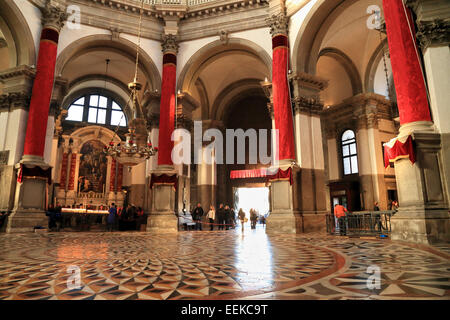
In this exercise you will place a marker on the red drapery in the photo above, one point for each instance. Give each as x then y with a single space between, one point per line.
73 164
41 94
409 83
281 100
398 150
63 176
263 173
34 171
167 109
164 179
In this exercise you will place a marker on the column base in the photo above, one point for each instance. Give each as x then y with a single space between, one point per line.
283 223
420 225
24 220
312 222
167 223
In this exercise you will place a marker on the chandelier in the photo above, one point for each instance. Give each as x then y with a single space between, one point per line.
137 146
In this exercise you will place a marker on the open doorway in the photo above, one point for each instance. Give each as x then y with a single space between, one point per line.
252 198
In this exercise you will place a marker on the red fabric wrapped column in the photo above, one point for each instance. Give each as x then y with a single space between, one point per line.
280 87
168 100
53 20
409 84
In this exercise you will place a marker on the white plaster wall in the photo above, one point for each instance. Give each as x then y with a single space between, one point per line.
138 174
333 165
296 22
67 36
151 47
152 163
188 48
259 36
49 139
379 82
33 17
3 122
207 174
305 151
437 66
14 137
364 162
316 129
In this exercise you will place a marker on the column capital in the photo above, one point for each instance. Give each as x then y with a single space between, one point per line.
53 17
278 24
169 44
14 100
433 33
308 105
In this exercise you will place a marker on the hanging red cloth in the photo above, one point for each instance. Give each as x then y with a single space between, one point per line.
164 179
398 149
282 175
34 171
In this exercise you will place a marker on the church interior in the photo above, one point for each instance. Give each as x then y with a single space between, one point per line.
352 96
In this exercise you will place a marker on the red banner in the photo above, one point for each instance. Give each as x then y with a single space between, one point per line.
263 173
167 109
408 79
396 149
63 176
73 164
41 94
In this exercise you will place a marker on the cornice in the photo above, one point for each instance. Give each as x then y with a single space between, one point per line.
433 33
23 70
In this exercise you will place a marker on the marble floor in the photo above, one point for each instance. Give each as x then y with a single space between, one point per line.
218 265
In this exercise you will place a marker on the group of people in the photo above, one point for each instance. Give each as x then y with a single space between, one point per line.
129 217
54 217
224 217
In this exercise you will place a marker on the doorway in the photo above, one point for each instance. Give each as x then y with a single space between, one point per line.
252 198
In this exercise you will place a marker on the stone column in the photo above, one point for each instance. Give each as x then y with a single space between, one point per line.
162 217
423 215
308 138
31 193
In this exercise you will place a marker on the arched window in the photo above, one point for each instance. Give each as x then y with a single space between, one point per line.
349 154
99 109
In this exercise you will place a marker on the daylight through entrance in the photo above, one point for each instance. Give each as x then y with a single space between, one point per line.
252 198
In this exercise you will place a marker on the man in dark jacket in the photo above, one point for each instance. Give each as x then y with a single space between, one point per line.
197 215
221 216
227 217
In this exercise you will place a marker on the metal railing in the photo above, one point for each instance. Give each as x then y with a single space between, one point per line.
373 223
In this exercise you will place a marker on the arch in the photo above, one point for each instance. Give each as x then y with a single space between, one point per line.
372 65
25 50
210 51
348 65
92 132
313 30
120 45
69 99
233 92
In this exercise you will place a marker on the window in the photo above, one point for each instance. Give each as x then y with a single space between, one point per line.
349 154
99 109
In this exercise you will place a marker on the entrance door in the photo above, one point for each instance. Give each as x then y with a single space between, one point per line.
252 198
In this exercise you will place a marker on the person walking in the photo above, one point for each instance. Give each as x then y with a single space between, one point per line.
339 213
253 218
197 215
241 215
220 216
111 219
211 216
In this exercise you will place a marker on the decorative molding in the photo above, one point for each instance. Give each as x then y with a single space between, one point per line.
53 16
310 81
14 100
223 35
435 32
4 156
307 105
278 24
169 44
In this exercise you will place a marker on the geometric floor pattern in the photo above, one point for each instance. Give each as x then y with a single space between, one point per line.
218 265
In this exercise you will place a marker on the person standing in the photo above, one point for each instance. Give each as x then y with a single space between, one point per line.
111 219
253 218
220 216
211 216
375 206
227 217
241 215
339 213
197 215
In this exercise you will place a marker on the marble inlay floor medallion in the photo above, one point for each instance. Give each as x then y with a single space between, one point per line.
218 265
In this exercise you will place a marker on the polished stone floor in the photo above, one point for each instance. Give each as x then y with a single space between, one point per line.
218 265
